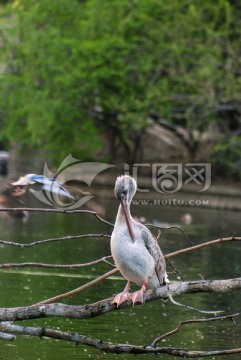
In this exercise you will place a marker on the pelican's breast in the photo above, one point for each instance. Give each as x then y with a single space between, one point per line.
132 258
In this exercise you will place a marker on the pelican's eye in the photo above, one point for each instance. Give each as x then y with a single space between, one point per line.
123 194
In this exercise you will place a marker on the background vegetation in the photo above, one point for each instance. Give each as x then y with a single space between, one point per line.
74 70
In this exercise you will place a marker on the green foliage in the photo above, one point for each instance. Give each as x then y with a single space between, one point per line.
227 158
78 68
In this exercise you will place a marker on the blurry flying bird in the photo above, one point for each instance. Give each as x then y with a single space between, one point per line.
50 185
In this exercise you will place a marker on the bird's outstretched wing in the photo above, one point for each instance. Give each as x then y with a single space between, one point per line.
50 185
30 179
56 188
22 181
155 251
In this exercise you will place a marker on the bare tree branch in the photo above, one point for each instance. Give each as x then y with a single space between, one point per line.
199 246
104 306
69 237
86 340
79 289
7 337
65 211
175 270
63 238
183 231
56 266
188 307
184 322
69 266
109 347
170 228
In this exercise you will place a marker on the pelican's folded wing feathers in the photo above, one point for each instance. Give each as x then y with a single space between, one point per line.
155 251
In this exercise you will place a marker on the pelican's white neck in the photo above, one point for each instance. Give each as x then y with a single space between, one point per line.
120 217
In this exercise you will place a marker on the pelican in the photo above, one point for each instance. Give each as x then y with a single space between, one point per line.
135 251
47 184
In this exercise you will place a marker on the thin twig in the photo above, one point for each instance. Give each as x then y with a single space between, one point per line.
79 289
56 266
175 270
199 246
193 308
45 241
94 213
169 228
183 231
184 322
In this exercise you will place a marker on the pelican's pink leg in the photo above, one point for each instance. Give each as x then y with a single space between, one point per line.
138 296
122 297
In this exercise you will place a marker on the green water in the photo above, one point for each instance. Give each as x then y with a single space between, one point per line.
139 325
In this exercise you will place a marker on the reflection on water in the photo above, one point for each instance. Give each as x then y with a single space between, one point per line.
139 325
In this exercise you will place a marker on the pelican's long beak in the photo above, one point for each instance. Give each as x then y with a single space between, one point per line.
126 209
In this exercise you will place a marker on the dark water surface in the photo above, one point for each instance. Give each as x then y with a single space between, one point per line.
139 325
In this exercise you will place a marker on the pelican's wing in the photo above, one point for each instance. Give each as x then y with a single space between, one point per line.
155 251
65 192
30 179
40 179
53 186
23 180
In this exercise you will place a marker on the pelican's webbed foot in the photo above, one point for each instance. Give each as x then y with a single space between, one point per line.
121 298
137 297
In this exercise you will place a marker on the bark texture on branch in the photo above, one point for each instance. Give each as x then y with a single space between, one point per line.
109 347
105 306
